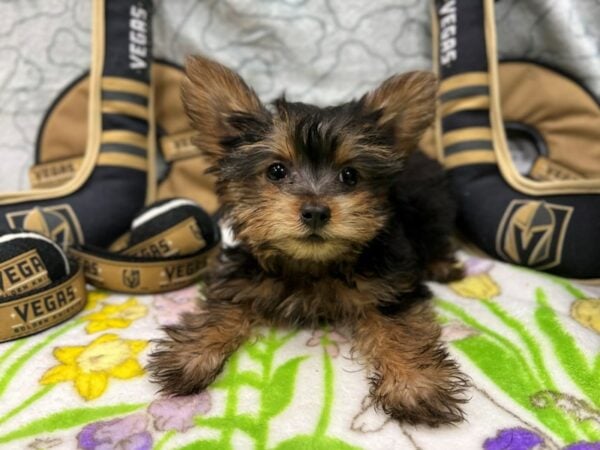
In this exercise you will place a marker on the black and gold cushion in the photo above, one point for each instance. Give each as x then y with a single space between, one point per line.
521 142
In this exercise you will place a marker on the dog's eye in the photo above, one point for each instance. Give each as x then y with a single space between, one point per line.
349 176
276 172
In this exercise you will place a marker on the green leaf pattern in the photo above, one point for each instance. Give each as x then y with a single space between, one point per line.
538 364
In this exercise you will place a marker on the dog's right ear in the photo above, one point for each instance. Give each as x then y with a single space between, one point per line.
221 107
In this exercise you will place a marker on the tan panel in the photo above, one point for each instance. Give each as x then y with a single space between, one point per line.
463 80
467 134
126 108
125 85
469 157
169 111
179 146
564 114
545 169
58 141
463 104
124 137
122 160
53 173
186 179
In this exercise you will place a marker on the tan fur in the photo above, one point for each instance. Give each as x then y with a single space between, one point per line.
315 297
445 270
412 378
351 147
212 92
355 220
408 104
288 274
197 349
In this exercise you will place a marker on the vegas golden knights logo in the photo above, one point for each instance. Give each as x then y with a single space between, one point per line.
532 233
131 278
58 223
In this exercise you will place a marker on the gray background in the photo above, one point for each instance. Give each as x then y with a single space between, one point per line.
320 51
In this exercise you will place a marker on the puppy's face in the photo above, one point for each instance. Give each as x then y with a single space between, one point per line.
300 181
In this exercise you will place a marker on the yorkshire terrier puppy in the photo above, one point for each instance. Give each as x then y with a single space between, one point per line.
339 220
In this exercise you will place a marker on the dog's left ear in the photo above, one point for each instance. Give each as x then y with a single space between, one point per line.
222 108
405 102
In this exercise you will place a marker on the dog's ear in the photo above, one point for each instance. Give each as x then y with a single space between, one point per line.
221 107
406 103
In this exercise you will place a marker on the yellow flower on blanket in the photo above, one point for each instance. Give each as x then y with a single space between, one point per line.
476 287
90 367
477 284
115 316
587 312
94 297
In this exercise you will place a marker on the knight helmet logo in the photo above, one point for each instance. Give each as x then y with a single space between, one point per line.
58 223
131 278
532 233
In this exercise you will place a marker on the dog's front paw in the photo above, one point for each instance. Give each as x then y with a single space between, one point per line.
183 368
445 270
422 398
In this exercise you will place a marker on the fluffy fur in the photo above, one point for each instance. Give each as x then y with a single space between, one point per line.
364 269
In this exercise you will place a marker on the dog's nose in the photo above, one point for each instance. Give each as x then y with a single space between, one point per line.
315 216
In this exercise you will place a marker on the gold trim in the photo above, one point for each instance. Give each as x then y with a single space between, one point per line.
467 134
462 104
505 163
469 157
437 123
125 85
151 181
122 160
126 108
142 276
125 137
462 80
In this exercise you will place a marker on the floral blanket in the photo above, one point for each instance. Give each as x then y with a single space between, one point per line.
529 342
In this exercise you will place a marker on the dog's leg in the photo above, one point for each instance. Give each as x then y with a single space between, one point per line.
445 270
412 376
195 351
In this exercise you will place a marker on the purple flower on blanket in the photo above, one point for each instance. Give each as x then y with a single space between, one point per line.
476 266
127 433
177 413
514 439
584 446
330 340
170 306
